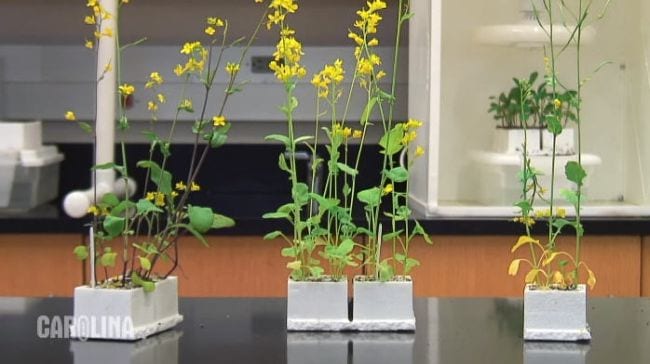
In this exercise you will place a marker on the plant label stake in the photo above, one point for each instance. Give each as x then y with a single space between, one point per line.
91 261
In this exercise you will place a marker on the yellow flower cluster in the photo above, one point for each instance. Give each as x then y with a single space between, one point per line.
197 56
410 133
232 68
126 89
286 59
219 120
212 24
526 220
367 24
346 132
545 213
96 210
181 186
70 115
155 80
330 75
97 14
158 198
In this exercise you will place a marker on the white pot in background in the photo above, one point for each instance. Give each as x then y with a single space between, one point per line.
556 315
539 141
317 306
383 306
125 314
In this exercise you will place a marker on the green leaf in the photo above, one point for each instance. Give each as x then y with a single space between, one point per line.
386 272
162 178
272 235
201 218
553 124
370 197
81 252
108 259
113 225
219 138
289 252
144 206
87 128
391 142
145 263
398 174
410 264
347 169
418 229
276 215
345 247
303 139
391 236
221 221
367 111
110 199
316 271
574 172
282 163
300 193
122 207
147 286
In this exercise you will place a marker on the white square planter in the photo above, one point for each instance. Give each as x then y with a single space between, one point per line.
383 306
555 315
539 141
317 306
125 314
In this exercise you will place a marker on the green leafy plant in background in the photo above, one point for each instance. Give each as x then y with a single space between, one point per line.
324 224
148 228
549 266
512 110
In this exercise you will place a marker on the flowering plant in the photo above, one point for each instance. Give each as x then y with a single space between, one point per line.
148 228
551 267
324 222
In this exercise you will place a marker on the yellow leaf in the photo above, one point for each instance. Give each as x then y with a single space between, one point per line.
295 265
514 267
558 277
591 281
531 276
550 258
523 240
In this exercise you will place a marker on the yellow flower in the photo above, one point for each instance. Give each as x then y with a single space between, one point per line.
161 98
180 185
160 199
126 89
412 124
232 68
70 115
186 105
154 80
409 137
210 30
357 134
93 210
419 151
373 42
152 106
561 212
195 187
174 194
557 103
89 19
380 75
89 44
219 120
179 70
388 189
215 21
150 196
288 5
108 32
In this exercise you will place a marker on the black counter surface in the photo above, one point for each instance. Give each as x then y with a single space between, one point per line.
244 330
243 181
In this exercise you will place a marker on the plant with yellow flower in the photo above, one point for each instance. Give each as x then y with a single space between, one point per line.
330 221
149 227
551 267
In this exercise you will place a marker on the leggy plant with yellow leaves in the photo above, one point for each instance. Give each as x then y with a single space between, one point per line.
149 227
324 222
550 267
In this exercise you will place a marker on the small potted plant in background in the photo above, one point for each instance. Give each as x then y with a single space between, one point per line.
324 222
134 242
554 297
538 102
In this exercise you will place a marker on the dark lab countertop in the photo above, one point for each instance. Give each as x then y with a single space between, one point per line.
244 330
